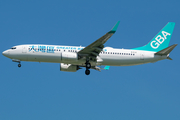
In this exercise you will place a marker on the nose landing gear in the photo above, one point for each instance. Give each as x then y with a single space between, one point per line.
19 65
15 60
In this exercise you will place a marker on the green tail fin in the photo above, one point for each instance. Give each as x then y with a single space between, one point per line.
161 40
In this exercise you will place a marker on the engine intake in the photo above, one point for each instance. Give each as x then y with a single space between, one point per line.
68 67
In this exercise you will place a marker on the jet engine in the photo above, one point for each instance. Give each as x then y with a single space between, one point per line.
68 67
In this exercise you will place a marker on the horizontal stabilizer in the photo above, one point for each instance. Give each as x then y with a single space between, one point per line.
167 50
106 67
169 58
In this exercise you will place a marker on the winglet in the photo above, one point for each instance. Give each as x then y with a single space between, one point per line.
113 30
106 67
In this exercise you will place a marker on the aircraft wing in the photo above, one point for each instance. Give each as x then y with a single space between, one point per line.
93 50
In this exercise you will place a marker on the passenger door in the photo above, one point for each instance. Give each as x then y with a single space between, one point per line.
141 56
24 50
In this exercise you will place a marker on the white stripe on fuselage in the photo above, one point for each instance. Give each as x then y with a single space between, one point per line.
109 56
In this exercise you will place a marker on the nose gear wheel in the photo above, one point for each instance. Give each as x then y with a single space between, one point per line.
19 65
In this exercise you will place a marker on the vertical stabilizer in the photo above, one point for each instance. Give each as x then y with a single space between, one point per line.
161 40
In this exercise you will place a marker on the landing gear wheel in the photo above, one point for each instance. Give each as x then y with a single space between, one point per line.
19 65
88 65
87 72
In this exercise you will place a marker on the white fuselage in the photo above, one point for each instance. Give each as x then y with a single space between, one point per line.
68 55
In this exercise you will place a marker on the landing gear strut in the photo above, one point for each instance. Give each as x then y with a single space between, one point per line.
88 66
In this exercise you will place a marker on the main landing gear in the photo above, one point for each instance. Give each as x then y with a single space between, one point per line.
87 72
88 66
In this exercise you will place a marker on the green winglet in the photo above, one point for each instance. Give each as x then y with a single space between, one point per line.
113 30
106 67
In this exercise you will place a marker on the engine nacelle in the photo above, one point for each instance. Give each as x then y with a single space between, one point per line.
68 67
68 56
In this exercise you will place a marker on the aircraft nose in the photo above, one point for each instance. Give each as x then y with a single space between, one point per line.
5 53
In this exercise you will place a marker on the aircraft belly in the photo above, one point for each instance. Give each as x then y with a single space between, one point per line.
128 61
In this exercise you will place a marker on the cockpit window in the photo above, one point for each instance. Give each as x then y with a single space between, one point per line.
13 48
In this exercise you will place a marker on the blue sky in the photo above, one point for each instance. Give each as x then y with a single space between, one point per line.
40 91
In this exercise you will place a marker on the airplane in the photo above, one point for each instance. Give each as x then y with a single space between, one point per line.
95 55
